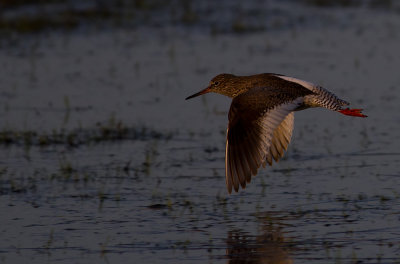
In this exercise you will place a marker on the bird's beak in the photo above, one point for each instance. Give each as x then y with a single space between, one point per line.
207 90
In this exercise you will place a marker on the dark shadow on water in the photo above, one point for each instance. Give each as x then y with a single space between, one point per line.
269 246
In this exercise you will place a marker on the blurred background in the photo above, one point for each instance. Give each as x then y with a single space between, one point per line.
102 159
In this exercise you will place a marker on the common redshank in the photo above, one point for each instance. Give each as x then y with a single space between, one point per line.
261 118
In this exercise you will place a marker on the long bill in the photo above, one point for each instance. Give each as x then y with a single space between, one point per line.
207 90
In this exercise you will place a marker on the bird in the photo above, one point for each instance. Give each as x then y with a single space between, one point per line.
261 118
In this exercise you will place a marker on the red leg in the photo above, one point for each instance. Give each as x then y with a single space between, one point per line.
352 112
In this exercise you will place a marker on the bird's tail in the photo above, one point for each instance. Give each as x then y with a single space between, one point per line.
324 98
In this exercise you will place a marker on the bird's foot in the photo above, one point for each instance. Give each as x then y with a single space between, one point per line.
352 112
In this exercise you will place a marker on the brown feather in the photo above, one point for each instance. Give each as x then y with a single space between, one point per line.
234 176
256 131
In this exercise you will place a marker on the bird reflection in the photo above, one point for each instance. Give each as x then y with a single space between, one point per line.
269 247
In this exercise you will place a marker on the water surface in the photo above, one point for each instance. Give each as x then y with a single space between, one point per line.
102 159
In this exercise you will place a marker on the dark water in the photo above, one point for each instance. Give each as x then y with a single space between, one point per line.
103 161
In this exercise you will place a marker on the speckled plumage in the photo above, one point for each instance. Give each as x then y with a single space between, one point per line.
261 118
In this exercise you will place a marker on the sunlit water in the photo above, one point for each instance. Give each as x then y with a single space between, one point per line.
120 168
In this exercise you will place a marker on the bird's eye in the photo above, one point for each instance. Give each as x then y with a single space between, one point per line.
216 83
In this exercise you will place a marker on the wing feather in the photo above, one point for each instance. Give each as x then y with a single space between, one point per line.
256 136
281 138
228 172
234 175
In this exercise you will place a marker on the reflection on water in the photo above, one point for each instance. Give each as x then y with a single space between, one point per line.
268 247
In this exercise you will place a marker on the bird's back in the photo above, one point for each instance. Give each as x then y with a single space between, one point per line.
241 84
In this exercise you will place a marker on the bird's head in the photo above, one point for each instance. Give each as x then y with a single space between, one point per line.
221 84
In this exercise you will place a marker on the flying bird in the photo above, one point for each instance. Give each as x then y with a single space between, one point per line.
261 118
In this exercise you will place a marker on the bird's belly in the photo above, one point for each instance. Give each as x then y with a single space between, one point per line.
302 107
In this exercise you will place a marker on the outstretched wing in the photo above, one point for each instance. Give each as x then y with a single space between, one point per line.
259 129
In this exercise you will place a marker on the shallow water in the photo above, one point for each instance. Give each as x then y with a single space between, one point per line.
102 159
